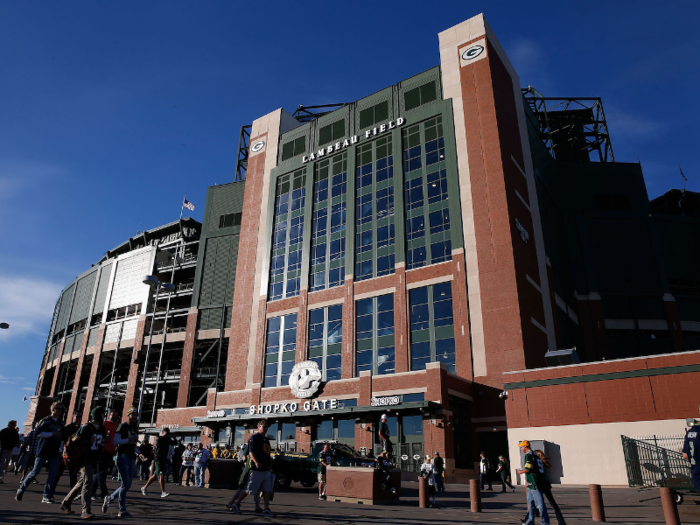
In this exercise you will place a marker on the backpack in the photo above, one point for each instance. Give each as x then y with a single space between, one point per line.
75 451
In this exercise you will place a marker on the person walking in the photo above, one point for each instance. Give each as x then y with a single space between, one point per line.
161 456
91 438
547 487
187 466
427 470
260 478
69 430
26 461
106 461
177 462
385 436
201 458
9 440
691 452
326 460
243 481
439 469
534 473
17 451
50 433
503 470
145 457
125 439
484 468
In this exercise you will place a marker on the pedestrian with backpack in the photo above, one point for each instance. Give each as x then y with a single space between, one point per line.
89 440
50 432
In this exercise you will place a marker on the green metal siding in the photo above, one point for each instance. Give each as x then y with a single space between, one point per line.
83 296
101 296
66 304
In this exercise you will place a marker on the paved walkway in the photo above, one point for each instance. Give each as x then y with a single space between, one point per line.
301 506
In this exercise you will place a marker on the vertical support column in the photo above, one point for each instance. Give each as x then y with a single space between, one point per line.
401 316
129 399
460 314
183 392
348 356
302 322
78 374
674 323
93 373
54 383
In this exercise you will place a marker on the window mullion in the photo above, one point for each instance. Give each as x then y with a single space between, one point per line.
280 345
325 342
431 324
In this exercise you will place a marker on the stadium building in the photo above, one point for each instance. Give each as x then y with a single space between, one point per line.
457 252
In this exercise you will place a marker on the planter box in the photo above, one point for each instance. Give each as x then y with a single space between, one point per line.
360 485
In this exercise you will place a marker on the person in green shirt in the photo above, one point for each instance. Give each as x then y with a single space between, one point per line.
534 474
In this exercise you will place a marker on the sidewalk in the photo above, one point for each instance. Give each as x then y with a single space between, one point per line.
301 506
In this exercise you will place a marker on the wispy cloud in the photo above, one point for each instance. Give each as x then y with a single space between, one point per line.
624 124
6 380
28 388
529 60
15 176
27 305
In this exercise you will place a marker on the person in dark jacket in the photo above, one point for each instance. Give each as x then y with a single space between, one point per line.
92 438
9 439
50 431
163 445
69 430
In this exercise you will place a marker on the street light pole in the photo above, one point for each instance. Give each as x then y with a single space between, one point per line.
151 281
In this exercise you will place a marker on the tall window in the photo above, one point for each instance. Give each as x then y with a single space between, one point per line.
432 326
331 132
287 235
374 213
293 148
375 114
281 350
421 95
426 203
326 340
375 335
328 228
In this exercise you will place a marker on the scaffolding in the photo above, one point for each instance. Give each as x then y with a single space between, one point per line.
242 157
306 114
572 129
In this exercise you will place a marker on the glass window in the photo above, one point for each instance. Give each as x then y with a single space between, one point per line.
415 227
374 320
431 307
375 114
437 186
421 95
331 132
293 148
416 257
324 430
325 340
280 350
414 193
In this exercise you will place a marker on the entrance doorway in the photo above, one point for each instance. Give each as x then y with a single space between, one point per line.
406 433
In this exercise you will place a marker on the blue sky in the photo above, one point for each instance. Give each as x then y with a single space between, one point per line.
111 111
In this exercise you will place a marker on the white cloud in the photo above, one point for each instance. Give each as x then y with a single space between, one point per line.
624 125
27 305
530 62
18 175
29 388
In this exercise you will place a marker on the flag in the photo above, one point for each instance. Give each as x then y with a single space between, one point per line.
187 204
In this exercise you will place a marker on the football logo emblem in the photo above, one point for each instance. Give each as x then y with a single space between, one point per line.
305 379
472 52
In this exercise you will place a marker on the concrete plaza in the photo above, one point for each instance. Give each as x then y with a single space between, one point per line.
301 506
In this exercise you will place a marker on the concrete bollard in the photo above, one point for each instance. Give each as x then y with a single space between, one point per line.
597 508
423 500
668 502
474 495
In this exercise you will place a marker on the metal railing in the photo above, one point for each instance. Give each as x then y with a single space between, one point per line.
407 456
656 461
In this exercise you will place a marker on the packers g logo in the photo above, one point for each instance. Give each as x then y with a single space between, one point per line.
266 448
305 379
472 52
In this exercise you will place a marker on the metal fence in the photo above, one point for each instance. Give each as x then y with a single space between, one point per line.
656 461
407 456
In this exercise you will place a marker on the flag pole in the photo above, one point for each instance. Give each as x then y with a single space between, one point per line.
183 206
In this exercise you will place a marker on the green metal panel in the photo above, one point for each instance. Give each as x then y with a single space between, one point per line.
83 297
66 305
102 288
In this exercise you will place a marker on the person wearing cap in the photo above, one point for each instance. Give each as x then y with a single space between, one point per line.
92 436
691 452
125 440
385 436
427 470
106 461
50 432
439 468
534 473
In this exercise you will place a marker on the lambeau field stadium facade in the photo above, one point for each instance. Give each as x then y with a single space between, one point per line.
455 251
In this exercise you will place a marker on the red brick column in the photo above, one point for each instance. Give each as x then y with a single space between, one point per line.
303 437
401 316
130 398
348 356
93 373
183 392
78 374
57 371
460 313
